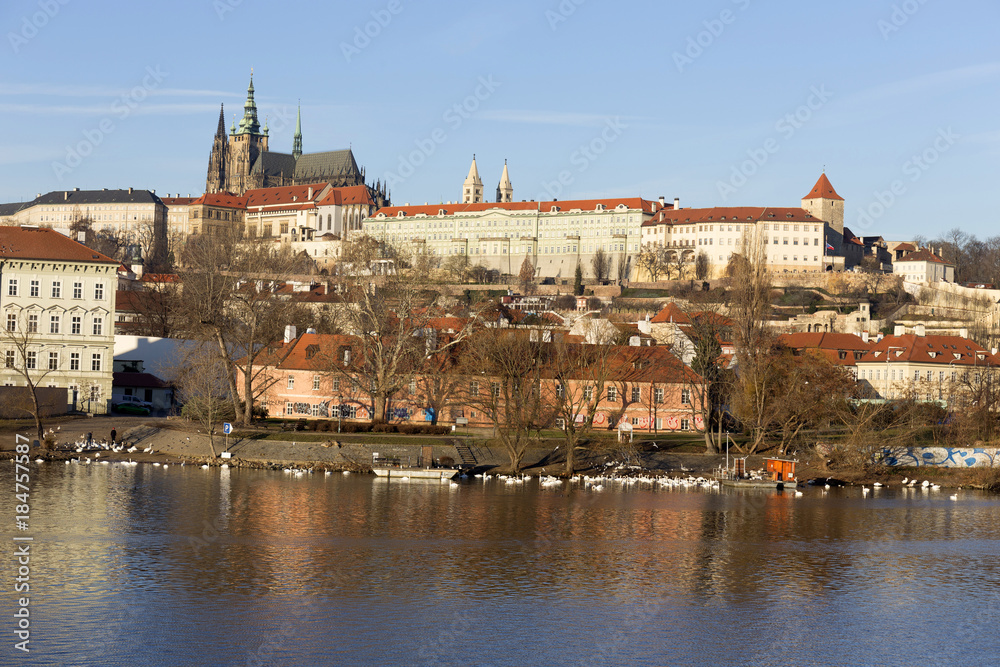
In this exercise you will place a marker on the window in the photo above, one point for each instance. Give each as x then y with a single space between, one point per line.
316 380
77 290
9 358
75 324
588 393
99 292
413 387
291 382
34 288
74 361
12 287
336 384
32 360
57 289
474 388
315 410
636 394
33 323
685 397
612 394
685 424
11 322
53 361
916 376
560 390
930 374
658 395
53 324
495 389
289 408
95 361
98 325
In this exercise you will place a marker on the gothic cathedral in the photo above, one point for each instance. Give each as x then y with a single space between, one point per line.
241 161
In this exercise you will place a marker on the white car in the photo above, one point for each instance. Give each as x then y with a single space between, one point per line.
131 400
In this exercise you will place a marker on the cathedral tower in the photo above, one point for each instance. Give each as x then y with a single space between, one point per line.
297 140
472 190
217 161
505 191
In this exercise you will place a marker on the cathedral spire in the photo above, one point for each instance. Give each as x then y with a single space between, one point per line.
249 124
472 189
505 191
221 132
297 141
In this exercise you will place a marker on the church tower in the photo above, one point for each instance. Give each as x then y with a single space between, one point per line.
297 140
824 203
246 144
217 161
505 191
472 190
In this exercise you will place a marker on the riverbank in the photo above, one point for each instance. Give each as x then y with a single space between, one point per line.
173 441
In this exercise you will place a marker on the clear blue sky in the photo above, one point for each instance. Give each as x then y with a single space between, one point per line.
137 87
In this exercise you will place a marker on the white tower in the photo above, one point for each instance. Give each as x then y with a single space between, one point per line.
472 191
505 191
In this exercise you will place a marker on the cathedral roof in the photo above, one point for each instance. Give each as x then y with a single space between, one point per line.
823 190
316 166
274 164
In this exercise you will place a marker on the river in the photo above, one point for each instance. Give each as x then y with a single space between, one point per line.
150 565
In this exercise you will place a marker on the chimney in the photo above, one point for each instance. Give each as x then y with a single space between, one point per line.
65 196
899 330
921 330
289 333
310 192
130 190
864 336
677 203
964 333
663 201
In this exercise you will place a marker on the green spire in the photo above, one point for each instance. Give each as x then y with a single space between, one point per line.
249 124
297 141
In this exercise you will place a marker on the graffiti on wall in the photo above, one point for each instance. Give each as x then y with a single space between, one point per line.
941 457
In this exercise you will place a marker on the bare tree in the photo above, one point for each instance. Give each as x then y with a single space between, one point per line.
601 265
702 266
750 304
650 260
203 383
23 349
504 371
526 277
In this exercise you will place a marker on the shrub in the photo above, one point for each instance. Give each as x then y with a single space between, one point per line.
323 426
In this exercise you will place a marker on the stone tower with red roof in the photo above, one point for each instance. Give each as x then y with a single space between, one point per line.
824 203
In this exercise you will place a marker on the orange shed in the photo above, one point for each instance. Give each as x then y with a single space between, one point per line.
781 470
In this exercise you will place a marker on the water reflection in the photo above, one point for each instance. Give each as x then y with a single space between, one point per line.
185 566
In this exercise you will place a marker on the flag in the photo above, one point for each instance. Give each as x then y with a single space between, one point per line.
829 247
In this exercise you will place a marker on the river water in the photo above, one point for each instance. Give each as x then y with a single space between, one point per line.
147 565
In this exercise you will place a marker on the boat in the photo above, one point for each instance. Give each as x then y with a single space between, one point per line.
399 472
778 474
393 467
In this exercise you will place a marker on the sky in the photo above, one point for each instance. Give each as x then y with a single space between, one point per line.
727 102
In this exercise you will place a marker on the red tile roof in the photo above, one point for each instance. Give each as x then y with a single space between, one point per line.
176 201
221 199
823 190
633 203
944 350
46 244
831 345
355 194
922 256
743 214
294 194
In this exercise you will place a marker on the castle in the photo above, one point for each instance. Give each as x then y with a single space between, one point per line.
241 160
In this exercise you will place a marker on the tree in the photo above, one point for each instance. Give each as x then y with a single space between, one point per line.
651 260
578 280
601 265
702 266
624 268
580 373
203 384
504 371
749 306
678 262
526 276
23 350
230 287
701 342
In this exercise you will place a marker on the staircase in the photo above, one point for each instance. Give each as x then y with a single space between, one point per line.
465 454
